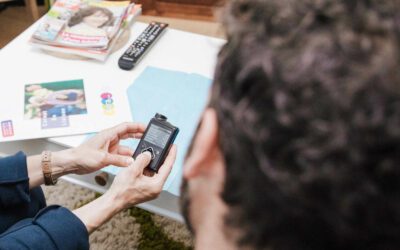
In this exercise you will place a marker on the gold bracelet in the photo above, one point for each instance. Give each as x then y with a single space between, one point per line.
46 168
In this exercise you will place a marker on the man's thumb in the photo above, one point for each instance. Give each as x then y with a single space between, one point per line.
143 160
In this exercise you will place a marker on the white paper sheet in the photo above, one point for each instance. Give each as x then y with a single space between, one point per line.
33 109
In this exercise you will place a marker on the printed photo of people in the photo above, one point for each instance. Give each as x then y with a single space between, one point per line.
56 98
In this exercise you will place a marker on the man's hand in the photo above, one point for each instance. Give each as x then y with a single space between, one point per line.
103 149
99 151
132 185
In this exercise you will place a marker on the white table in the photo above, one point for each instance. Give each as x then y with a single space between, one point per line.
176 50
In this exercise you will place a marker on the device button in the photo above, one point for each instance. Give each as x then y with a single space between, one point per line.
151 150
160 117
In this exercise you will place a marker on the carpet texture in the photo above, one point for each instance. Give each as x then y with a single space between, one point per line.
123 231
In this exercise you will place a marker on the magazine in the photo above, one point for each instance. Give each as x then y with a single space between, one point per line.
82 23
93 52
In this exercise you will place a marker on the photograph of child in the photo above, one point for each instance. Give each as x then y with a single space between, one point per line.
55 98
90 21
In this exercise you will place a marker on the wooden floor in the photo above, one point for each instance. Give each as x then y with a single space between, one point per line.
15 19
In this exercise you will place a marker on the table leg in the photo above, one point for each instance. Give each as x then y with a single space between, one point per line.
32 8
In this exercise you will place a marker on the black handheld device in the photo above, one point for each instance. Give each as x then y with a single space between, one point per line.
157 139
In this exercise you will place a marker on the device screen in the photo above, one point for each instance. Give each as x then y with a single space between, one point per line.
157 135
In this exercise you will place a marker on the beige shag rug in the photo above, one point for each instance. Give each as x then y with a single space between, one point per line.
121 232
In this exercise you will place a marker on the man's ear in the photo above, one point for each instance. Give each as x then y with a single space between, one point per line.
204 146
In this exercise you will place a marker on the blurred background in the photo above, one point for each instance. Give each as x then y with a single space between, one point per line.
198 16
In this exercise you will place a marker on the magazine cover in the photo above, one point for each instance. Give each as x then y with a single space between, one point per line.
82 24
42 39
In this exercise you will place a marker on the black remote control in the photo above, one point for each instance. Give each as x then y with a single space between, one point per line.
142 44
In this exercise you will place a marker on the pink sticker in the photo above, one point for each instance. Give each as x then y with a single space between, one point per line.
106 95
7 128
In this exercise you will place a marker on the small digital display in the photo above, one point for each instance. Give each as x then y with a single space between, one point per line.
157 135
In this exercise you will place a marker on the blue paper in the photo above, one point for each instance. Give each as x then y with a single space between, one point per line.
181 97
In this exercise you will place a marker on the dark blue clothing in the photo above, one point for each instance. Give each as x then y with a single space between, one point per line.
16 201
25 221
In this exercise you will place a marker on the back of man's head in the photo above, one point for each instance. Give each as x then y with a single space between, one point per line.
308 104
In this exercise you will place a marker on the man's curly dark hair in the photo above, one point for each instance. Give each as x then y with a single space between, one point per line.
307 95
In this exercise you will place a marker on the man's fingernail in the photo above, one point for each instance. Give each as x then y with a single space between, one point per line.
148 154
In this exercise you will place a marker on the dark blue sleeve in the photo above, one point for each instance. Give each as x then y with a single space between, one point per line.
54 227
14 181
17 202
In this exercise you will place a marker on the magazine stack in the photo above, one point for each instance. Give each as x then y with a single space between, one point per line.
88 28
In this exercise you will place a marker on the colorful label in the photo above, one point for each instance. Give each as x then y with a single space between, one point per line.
7 128
107 103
